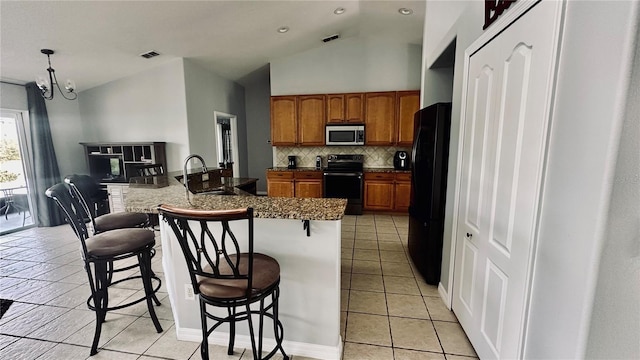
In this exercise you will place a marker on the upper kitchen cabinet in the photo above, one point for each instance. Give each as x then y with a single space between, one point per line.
284 121
408 102
297 120
345 108
380 115
311 120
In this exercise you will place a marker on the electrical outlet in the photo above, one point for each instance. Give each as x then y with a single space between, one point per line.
188 292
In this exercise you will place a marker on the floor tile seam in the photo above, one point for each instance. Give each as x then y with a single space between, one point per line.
400 347
420 350
31 338
144 353
47 303
369 344
137 317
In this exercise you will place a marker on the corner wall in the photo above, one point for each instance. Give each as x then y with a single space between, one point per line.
257 91
617 296
447 21
148 106
206 92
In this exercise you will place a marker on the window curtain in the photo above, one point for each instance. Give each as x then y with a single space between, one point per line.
42 158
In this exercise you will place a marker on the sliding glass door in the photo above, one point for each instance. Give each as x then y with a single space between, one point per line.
15 203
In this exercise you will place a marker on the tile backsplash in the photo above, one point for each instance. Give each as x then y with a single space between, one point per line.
374 156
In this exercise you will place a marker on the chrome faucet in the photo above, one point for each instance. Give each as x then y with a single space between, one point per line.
184 170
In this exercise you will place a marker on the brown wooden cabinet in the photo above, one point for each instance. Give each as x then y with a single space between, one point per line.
408 102
308 184
378 191
284 121
380 114
335 108
297 120
402 192
294 184
345 108
311 120
354 108
280 184
387 191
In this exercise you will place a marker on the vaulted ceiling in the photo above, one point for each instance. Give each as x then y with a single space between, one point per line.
100 41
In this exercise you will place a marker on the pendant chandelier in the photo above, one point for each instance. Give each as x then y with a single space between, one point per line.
47 86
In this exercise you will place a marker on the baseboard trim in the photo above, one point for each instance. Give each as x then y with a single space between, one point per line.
243 341
444 295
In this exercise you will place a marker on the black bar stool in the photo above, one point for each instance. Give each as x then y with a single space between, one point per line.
85 189
100 251
224 276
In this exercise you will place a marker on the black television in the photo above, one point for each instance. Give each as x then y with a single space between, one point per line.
107 168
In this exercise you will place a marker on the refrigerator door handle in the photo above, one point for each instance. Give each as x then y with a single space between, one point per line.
414 151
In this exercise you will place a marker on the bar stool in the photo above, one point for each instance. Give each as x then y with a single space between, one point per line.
100 251
225 272
84 187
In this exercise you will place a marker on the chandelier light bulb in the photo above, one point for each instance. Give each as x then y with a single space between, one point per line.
42 83
70 86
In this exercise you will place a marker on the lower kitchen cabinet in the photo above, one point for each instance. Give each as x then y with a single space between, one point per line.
378 191
280 184
294 184
387 191
308 184
402 192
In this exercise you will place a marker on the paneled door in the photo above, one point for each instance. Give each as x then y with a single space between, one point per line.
508 95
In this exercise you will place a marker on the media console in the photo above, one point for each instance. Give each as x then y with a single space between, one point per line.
115 162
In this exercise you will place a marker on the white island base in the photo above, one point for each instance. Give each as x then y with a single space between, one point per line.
309 287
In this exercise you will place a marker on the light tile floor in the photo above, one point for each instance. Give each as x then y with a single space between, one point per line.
388 312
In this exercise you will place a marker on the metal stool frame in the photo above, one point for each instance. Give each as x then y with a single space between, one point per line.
203 263
100 277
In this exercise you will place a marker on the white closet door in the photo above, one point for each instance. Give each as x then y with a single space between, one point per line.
508 95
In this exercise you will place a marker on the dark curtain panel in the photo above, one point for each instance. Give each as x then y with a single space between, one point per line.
44 162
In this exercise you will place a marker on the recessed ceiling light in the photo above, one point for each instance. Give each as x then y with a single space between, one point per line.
339 11
405 11
283 29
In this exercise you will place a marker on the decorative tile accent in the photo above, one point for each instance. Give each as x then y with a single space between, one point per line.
374 156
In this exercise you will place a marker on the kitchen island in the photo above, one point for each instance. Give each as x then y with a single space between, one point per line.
309 259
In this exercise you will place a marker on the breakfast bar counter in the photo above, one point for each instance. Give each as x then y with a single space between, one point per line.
303 234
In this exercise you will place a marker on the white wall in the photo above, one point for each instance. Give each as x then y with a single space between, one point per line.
259 152
66 132
205 93
444 22
13 97
584 145
149 106
440 20
348 65
617 298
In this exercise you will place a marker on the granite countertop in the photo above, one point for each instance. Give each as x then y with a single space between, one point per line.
386 170
283 168
144 198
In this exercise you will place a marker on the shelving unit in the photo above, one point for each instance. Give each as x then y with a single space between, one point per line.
115 162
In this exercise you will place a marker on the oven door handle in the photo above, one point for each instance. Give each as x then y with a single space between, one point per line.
343 174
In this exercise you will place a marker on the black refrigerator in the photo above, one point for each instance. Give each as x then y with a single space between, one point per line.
429 159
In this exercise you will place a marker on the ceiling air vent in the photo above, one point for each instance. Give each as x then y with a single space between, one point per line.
331 37
149 54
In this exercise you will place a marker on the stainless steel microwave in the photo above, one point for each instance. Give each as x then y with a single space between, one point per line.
345 135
